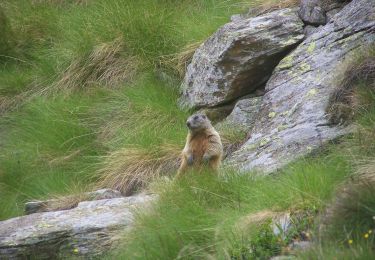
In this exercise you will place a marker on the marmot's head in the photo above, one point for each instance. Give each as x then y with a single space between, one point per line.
198 122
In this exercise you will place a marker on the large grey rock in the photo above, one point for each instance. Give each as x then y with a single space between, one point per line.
292 120
312 12
239 58
88 230
69 201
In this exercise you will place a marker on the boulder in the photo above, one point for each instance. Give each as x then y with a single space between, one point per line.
312 12
69 201
292 120
88 230
239 58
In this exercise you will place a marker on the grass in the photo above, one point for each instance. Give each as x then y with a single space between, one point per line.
197 217
85 92
228 217
205 217
46 149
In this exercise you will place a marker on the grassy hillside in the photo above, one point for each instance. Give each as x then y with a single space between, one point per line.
88 92
89 87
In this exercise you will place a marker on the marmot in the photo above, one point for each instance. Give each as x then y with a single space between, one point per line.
203 145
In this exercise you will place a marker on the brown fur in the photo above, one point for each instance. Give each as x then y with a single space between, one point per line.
204 145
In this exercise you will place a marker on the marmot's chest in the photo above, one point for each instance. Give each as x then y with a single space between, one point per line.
199 145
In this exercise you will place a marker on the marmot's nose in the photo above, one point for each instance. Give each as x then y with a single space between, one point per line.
188 124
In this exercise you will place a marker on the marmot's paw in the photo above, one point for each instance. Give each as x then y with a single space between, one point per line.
190 160
206 158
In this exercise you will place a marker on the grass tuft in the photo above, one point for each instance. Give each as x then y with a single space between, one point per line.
130 169
352 213
178 62
105 65
355 88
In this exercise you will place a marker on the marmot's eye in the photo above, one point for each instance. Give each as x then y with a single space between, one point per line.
196 117
203 116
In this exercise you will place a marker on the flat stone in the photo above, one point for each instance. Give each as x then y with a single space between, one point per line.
88 230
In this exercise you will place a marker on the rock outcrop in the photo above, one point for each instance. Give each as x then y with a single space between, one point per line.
292 120
239 58
90 229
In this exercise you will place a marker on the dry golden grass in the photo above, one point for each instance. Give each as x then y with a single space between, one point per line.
77 195
106 64
178 62
257 218
54 161
13 102
130 169
266 6
365 174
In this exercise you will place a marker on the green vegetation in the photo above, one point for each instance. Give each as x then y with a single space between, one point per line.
204 216
87 88
88 92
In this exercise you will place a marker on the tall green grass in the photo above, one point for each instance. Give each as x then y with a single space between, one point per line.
207 217
48 35
57 135
199 217
46 150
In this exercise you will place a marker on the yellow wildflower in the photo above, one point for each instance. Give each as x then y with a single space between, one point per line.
370 231
365 235
350 241
75 250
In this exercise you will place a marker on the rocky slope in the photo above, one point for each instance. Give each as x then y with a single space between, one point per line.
291 120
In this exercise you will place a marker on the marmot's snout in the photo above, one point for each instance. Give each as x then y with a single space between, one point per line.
197 121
